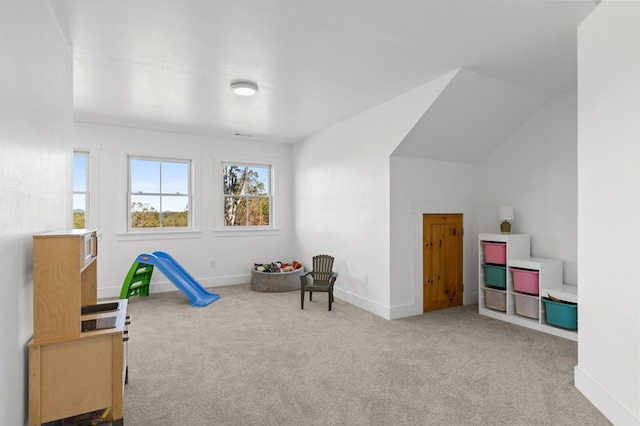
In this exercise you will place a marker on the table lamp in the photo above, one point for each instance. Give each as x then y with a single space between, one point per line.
505 215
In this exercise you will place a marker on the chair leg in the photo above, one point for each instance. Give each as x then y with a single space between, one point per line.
310 296
302 299
330 297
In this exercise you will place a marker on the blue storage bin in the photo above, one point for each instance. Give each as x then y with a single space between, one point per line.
560 314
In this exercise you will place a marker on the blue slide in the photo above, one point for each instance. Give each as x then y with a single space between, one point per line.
171 269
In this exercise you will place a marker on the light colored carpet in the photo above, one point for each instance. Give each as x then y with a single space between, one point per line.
254 358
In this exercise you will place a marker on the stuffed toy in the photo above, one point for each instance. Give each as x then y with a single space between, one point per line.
277 266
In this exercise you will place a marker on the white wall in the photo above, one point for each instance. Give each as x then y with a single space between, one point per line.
608 370
36 121
535 172
342 196
422 187
234 252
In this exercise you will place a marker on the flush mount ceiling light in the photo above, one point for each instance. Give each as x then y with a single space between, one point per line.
244 88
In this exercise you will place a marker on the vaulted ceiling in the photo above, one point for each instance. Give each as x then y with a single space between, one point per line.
168 64
472 116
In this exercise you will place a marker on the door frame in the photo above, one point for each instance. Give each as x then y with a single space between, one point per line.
469 249
450 218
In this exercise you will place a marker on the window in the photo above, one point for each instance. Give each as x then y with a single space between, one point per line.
247 195
159 193
80 190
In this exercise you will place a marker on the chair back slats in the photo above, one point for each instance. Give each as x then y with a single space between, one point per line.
322 267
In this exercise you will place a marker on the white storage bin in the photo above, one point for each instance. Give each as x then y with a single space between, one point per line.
495 299
527 306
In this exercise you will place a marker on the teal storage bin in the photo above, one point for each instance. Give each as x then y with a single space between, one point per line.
560 314
495 276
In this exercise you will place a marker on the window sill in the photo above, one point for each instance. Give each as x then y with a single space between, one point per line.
246 232
157 235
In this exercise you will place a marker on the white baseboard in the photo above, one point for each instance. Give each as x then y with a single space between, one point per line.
356 300
386 312
362 303
612 409
164 286
405 311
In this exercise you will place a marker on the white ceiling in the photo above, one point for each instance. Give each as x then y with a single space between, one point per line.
167 64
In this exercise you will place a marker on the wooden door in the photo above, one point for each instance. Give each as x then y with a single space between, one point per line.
441 261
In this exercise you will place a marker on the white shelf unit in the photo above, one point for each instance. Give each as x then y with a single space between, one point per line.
550 282
549 275
517 245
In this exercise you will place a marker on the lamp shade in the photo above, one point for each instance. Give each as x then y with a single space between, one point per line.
505 213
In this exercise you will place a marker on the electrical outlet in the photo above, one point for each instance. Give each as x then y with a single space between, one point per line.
212 264
365 281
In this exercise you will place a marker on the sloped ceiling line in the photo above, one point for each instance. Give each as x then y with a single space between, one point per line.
472 116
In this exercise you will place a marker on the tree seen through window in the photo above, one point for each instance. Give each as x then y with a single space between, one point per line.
247 199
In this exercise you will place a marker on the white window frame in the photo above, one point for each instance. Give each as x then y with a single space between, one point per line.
220 229
190 186
92 212
87 187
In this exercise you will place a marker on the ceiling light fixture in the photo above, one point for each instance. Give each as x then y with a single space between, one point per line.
244 88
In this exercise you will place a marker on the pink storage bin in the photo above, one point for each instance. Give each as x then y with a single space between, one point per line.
495 253
525 280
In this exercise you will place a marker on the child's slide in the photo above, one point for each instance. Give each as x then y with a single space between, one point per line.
170 268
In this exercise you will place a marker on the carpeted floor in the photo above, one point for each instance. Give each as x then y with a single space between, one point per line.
254 358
